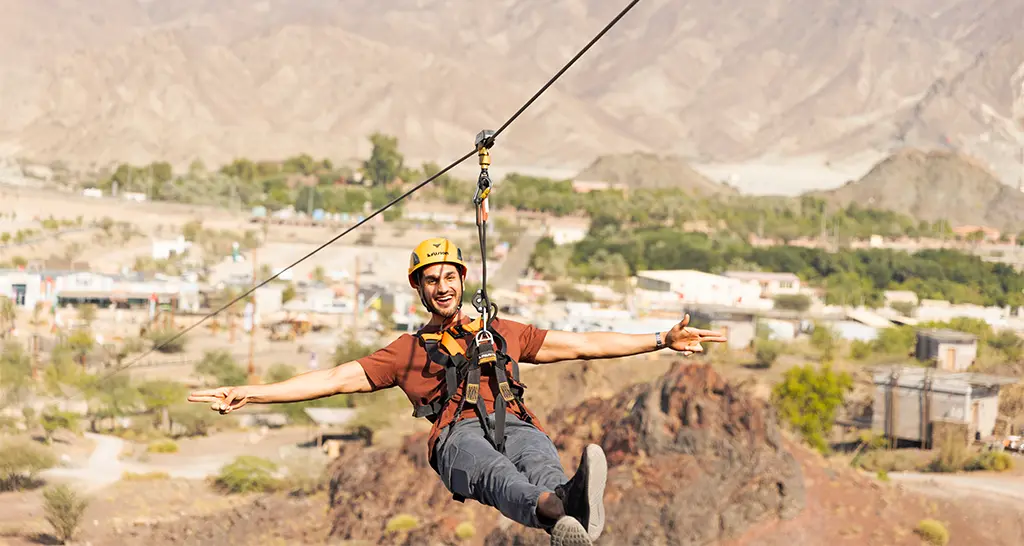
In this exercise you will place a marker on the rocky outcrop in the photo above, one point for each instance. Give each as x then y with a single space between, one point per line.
691 461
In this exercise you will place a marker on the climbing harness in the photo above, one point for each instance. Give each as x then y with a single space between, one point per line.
465 368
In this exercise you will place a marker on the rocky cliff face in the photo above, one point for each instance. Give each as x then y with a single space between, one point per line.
691 461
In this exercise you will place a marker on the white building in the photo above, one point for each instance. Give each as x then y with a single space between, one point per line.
908 400
566 231
698 287
772 284
163 248
83 281
23 288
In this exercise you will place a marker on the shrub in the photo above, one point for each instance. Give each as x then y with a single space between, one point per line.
162 446
808 400
890 461
904 308
220 366
247 474
53 420
164 341
402 522
996 461
306 475
933 532
465 531
952 456
63 510
825 340
279 372
20 461
144 477
882 475
194 419
859 349
793 302
766 352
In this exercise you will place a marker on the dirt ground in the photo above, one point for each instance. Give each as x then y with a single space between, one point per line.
143 500
843 506
846 507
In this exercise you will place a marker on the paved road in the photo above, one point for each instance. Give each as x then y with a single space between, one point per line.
990 486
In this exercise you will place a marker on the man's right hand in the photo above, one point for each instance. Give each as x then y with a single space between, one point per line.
222 399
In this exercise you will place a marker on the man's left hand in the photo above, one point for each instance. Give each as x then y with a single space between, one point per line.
687 340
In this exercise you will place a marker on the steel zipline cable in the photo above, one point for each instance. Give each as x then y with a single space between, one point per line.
489 143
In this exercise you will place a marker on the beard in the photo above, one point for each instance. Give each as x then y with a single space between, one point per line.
444 314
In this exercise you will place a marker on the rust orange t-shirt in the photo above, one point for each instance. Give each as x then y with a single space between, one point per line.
404 364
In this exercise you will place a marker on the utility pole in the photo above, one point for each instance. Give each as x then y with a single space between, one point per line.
1020 184
253 379
355 300
824 235
35 351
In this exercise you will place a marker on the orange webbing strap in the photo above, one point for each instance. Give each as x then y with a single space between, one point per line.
450 345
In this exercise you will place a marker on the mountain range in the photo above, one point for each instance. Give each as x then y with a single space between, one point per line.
138 80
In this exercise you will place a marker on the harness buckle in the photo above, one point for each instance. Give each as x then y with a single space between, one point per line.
486 354
506 391
472 393
484 336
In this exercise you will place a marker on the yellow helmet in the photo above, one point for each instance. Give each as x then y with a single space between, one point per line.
434 251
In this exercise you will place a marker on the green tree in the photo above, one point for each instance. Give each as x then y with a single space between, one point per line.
793 302
309 199
15 374
222 368
87 313
63 375
288 293
303 164
110 397
279 372
825 340
162 172
386 162
54 419
766 352
159 395
809 400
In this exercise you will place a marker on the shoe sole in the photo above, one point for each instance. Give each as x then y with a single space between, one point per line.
597 479
569 532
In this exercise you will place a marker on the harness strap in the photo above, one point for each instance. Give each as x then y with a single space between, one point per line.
473 382
465 367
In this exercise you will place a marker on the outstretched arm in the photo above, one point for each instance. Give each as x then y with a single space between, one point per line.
344 379
347 378
559 346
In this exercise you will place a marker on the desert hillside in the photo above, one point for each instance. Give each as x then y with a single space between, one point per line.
136 81
937 186
645 170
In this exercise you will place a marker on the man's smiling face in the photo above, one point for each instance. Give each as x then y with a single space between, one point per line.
441 285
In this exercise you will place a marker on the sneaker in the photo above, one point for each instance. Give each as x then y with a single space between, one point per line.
583 495
569 532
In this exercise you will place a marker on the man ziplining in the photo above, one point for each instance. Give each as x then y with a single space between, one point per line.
463 376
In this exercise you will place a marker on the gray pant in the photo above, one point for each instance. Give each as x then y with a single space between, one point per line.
470 466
